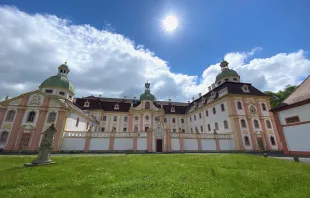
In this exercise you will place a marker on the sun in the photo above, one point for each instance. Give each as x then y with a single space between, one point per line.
170 23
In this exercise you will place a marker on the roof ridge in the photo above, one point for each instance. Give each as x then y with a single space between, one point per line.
298 87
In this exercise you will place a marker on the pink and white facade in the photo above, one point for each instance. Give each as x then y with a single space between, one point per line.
231 116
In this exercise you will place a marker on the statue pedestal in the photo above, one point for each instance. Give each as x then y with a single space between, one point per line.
45 148
41 164
43 157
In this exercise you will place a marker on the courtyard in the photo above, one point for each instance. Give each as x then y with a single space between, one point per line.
164 175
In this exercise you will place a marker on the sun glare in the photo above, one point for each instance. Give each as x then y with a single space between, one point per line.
170 23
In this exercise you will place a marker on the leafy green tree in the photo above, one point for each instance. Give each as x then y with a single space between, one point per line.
280 96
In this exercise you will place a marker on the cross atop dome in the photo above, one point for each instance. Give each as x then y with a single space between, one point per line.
147 93
147 85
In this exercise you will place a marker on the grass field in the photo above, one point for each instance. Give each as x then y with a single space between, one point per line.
177 175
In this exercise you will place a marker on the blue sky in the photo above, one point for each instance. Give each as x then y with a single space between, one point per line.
209 30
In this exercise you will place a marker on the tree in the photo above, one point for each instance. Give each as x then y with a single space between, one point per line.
280 96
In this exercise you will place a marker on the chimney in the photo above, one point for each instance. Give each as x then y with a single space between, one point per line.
188 102
193 98
213 86
134 98
199 95
209 88
99 95
124 97
169 100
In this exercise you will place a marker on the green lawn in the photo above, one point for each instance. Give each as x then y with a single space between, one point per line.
177 175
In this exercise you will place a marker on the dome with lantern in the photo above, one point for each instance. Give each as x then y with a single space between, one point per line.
147 93
226 74
59 85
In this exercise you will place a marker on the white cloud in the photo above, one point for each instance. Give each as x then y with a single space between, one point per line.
107 63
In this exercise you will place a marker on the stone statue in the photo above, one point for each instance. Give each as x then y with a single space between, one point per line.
45 148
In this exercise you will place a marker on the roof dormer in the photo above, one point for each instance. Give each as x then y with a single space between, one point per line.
86 103
116 107
245 88
172 109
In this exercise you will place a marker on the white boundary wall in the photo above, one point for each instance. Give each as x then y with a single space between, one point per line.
142 144
123 144
73 144
97 144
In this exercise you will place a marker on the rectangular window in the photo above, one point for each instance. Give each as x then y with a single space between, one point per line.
292 119
104 118
194 117
222 107
207 113
165 120
182 120
209 127
174 130
201 128
216 126
62 93
146 128
31 116
48 91
190 119
113 129
183 130
124 129
102 129
199 115
214 110
125 119
115 118
192 130
173 120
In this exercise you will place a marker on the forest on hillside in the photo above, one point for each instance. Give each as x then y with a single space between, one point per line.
280 96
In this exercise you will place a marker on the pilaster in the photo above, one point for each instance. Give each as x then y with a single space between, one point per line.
150 140
262 123
217 143
250 125
87 141
181 141
17 124
235 126
39 129
130 122
278 129
135 141
111 141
